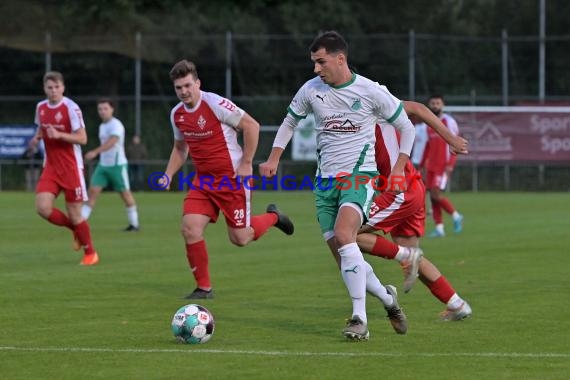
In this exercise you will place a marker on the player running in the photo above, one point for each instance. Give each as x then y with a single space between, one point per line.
60 125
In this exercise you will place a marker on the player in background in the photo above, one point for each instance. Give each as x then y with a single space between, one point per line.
112 168
205 127
419 143
439 163
403 216
61 127
346 107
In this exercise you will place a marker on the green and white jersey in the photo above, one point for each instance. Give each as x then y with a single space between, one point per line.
345 121
115 155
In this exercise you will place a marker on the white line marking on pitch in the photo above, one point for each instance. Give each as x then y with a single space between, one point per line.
290 353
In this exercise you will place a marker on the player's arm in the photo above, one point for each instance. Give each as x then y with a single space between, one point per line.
35 139
402 123
79 136
282 138
250 129
102 148
177 159
457 144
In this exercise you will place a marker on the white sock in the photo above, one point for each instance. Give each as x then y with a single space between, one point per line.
353 271
375 287
455 215
439 228
133 216
455 302
403 254
86 211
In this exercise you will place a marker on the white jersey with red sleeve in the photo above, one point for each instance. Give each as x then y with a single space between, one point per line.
436 154
210 131
61 157
387 150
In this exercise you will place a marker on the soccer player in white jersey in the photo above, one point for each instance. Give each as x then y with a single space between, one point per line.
61 127
205 127
346 107
112 169
403 217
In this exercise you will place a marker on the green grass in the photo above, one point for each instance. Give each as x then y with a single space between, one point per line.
280 302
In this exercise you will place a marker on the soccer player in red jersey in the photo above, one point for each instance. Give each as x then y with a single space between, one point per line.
439 164
403 216
60 125
205 127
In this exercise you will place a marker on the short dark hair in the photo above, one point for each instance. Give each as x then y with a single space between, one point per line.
182 69
331 41
106 100
55 76
436 96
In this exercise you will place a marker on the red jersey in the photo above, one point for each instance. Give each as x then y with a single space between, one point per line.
387 149
436 154
210 131
61 158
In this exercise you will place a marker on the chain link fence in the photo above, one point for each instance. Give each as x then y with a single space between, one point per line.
261 73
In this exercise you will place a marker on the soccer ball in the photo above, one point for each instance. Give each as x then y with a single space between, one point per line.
193 324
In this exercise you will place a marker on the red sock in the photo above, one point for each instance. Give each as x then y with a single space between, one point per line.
261 223
441 289
58 218
197 256
436 209
83 233
446 205
384 248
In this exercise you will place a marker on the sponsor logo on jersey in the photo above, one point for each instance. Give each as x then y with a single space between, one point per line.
340 126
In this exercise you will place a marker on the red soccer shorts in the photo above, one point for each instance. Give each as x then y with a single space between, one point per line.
72 185
234 202
400 214
436 180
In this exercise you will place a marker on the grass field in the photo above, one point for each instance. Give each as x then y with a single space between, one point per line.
280 303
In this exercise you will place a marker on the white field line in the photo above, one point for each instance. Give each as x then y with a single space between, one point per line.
192 350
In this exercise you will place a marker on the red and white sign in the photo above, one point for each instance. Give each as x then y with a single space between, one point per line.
515 136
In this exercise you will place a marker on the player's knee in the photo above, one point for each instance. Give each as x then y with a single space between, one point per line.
239 240
190 234
44 210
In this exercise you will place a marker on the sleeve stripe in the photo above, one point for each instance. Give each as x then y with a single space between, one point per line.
298 117
396 114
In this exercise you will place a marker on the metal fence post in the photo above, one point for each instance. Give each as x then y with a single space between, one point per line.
138 44
412 64
228 64
48 51
505 66
542 53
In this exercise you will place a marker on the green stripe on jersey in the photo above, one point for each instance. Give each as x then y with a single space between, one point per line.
396 114
298 117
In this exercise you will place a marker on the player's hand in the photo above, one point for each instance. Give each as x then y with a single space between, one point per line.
53 133
268 168
90 155
245 169
164 182
459 145
397 183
